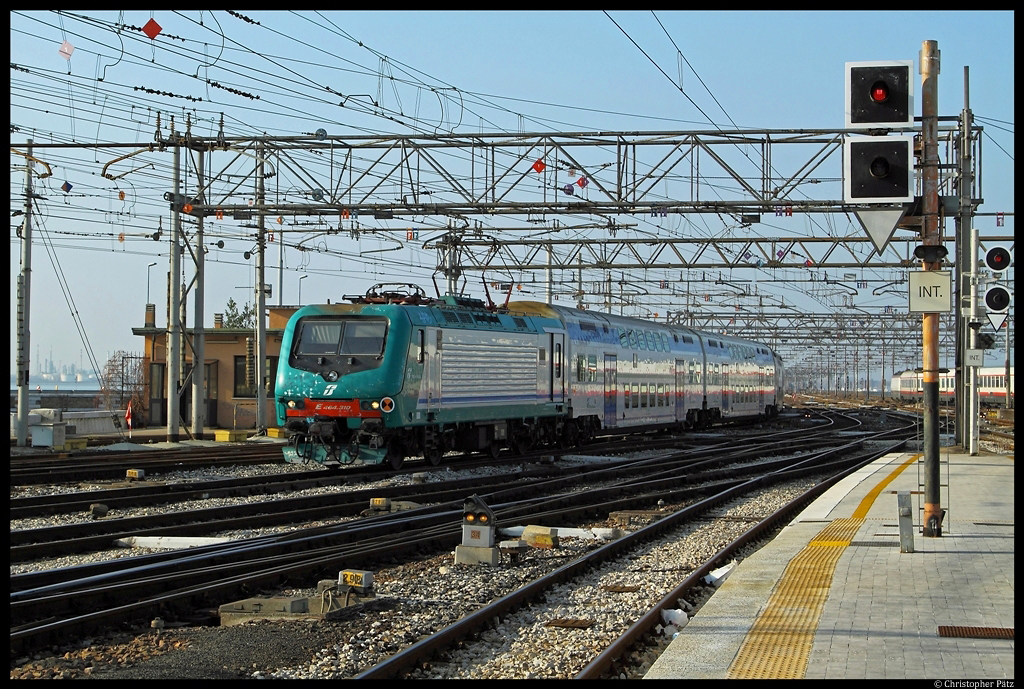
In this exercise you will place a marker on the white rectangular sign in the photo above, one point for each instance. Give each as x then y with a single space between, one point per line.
974 357
930 291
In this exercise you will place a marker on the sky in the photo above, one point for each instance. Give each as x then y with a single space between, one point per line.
467 72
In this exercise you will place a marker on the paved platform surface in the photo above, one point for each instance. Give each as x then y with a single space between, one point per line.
832 596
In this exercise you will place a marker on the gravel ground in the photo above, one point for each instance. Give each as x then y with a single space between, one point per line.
416 599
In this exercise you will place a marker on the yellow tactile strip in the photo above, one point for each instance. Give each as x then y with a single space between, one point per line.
779 644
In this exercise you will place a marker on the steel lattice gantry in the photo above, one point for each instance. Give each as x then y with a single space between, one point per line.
600 174
598 197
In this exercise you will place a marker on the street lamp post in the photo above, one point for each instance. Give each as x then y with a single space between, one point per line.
148 271
300 288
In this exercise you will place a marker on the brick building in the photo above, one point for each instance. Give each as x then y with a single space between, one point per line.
230 401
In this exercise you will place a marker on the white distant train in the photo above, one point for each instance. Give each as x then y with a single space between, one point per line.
907 386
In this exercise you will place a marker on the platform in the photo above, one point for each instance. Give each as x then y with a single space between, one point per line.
833 596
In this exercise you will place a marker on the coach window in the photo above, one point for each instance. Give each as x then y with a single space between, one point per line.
580 367
625 395
636 395
592 368
641 341
624 339
632 339
557 355
643 394
661 395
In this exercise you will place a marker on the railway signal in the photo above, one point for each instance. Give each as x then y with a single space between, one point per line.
878 169
879 95
477 523
997 259
997 297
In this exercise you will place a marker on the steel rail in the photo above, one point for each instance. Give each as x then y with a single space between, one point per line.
408 658
270 560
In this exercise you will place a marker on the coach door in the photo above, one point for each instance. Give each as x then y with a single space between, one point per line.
610 389
726 390
556 368
680 390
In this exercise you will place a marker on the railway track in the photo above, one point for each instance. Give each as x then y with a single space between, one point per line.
54 604
97 534
520 612
100 465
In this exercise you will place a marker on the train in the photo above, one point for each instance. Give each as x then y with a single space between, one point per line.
395 374
906 386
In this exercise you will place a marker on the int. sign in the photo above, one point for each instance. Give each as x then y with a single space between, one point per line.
930 291
974 357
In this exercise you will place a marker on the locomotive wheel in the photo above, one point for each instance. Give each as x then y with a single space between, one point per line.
494 449
570 435
394 457
394 460
433 455
521 443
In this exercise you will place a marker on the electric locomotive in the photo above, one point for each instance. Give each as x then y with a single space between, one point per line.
396 374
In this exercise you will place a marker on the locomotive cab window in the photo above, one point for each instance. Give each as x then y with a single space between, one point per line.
328 338
319 337
363 337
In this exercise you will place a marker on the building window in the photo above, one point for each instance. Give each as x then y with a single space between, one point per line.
242 389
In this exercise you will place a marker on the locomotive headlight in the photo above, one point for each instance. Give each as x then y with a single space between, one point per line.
332 376
291 404
375 404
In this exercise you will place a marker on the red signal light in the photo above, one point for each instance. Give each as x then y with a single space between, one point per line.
880 92
997 259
